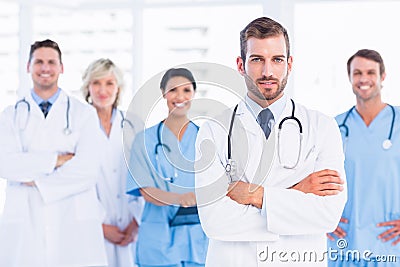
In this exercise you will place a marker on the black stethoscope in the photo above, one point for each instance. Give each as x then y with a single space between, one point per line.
160 144
230 167
386 144
67 130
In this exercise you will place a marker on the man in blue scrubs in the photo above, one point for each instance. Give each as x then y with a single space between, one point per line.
369 231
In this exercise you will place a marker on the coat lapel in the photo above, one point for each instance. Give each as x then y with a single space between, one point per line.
257 158
247 143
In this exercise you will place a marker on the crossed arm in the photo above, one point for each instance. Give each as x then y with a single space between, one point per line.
321 183
162 198
61 159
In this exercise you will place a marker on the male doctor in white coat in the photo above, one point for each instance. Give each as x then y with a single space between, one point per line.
273 209
52 217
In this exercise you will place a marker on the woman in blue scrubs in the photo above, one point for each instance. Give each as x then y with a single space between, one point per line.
161 164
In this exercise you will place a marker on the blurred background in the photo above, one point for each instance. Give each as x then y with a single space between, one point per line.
145 37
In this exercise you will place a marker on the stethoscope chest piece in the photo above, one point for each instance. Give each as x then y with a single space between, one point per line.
387 144
230 167
67 131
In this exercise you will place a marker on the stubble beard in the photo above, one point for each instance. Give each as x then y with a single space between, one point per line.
267 96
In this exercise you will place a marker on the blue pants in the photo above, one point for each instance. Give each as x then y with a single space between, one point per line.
361 263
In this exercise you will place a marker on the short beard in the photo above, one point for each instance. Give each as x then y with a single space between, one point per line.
252 86
279 90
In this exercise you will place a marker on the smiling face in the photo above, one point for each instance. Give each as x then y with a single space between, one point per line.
45 68
178 92
366 79
103 91
267 66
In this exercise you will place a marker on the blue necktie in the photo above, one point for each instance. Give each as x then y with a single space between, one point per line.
45 107
263 118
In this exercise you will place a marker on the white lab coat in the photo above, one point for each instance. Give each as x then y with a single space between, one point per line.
58 222
290 221
120 208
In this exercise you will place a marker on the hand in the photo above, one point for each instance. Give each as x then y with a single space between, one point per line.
130 232
31 183
246 193
321 183
339 232
62 158
187 199
113 234
392 233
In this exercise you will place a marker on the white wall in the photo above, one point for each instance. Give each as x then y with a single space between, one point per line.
327 34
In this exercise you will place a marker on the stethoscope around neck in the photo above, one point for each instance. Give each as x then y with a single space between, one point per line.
230 167
125 121
67 130
386 144
161 145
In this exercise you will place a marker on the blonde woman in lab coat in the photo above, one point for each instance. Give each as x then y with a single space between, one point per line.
102 86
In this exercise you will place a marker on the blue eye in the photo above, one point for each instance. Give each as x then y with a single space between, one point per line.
256 59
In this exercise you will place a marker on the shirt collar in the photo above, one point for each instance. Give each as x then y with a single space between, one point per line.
276 108
39 100
113 114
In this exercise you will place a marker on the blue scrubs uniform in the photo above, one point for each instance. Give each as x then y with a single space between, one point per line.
373 178
159 244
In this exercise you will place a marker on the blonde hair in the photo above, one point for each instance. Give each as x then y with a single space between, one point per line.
98 69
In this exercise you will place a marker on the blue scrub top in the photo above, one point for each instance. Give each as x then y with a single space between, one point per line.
373 179
158 243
